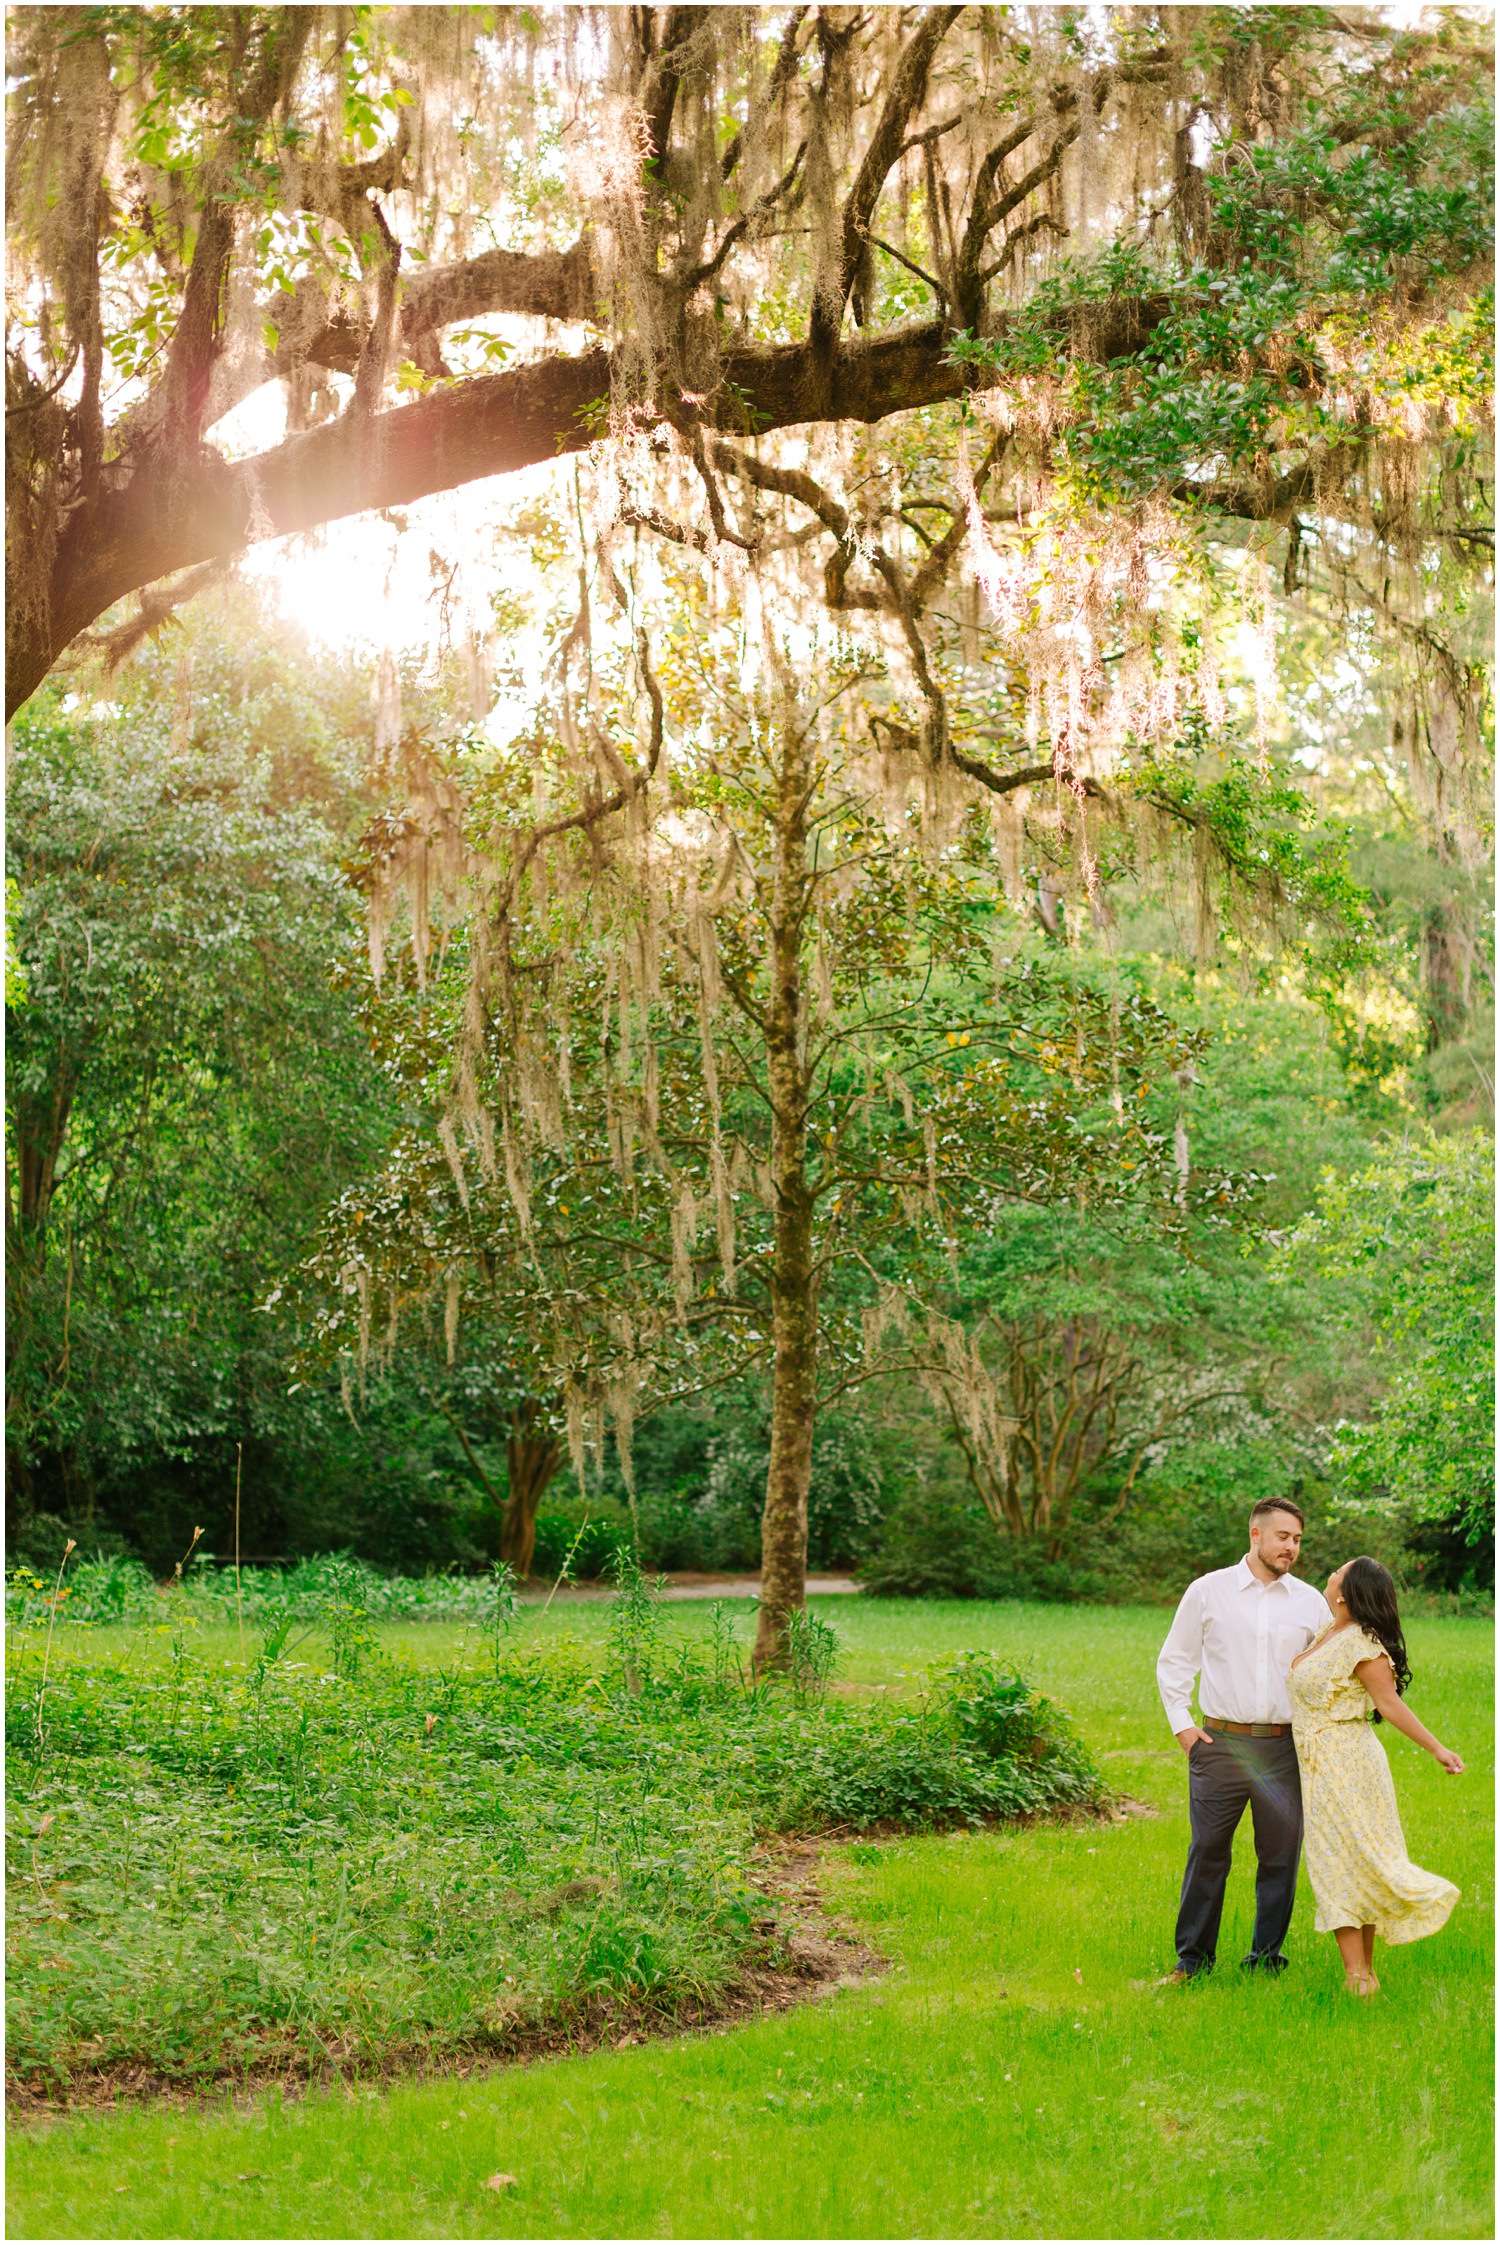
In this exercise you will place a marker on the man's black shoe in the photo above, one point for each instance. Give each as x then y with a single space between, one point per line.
1263 1964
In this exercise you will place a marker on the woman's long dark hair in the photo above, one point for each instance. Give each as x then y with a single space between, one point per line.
1370 1595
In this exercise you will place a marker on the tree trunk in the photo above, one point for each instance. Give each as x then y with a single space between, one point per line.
1447 952
532 1456
794 1330
40 1134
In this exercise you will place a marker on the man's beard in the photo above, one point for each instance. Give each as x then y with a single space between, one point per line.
1281 1566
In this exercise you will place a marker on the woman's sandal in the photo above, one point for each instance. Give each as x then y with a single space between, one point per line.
1361 1984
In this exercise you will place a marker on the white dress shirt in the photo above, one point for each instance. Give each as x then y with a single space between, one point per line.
1243 1634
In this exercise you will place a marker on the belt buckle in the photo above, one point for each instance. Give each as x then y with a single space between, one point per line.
1264 1730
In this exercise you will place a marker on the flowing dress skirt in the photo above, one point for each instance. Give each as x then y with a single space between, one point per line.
1356 1851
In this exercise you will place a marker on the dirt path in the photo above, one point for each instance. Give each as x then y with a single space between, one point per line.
686 1584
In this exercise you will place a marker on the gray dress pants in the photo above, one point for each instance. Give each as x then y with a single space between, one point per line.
1222 1776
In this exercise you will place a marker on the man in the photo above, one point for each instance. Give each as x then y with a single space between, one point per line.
1242 1627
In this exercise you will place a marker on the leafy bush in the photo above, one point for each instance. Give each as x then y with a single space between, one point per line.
1189 1518
701 1483
996 1712
939 1542
592 1532
328 1852
980 1745
40 1540
1442 1559
121 1590
91 1590
1411 1242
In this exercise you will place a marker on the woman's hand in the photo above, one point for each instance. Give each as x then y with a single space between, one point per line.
1451 1762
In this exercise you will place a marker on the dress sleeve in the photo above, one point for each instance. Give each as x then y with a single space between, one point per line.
1364 1647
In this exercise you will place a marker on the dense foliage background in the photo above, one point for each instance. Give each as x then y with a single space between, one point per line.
191 1086
1059 445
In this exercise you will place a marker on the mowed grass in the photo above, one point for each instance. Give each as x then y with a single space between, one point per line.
1015 2074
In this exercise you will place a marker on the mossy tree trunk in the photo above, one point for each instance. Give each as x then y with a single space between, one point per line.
794 1309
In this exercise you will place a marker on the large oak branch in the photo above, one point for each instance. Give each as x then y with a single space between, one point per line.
175 511
546 284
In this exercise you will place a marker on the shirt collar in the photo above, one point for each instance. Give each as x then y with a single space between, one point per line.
1250 1580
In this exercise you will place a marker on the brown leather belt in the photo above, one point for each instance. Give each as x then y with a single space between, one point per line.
1248 1730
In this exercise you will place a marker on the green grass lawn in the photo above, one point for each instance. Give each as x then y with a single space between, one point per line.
1014 2075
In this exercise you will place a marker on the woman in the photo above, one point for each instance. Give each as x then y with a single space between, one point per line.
1356 1857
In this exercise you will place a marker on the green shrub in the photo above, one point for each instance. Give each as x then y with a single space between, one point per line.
38 1541
1185 1520
936 1543
121 1590
596 1529
939 1542
700 1475
1442 1560
981 1745
995 1711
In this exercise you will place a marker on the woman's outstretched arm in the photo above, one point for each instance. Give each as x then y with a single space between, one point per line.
1380 1683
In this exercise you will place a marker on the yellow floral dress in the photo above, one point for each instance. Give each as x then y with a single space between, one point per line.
1356 1854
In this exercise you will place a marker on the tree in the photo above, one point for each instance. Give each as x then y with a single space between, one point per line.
737 989
1075 1329
1411 1239
1111 1348
184 1086
1274 225
399 1238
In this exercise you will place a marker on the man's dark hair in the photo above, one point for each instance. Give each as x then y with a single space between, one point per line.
1277 1504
